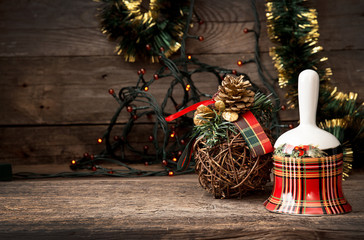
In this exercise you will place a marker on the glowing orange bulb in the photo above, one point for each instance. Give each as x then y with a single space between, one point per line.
173 134
189 57
146 89
99 140
188 87
73 162
240 63
174 159
170 173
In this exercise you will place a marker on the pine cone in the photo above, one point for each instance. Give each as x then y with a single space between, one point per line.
234 93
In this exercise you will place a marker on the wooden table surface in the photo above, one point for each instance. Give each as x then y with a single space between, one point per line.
159 208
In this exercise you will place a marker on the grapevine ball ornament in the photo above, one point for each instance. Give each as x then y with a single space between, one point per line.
231 149
142 27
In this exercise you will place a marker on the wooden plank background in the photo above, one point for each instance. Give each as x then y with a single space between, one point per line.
56 68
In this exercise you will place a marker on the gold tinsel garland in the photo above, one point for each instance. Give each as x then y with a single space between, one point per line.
144 28
339 112
309 39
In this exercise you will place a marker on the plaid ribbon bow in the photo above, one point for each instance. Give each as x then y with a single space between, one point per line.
254 135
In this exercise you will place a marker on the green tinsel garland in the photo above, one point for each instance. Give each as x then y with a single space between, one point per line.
139 26
293 27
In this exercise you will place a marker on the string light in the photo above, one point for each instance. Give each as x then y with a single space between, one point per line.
99 140
188 87
73 162
170 173
189 57
146 89
173 134
174 159
240 63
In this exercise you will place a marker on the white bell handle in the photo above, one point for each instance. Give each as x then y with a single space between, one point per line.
308 92
307 133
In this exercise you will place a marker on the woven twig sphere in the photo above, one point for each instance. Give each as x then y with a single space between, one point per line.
227 170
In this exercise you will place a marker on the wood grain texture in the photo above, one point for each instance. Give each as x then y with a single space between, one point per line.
158 208
65 90
56 66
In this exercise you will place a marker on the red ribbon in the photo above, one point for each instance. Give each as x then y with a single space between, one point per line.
189 109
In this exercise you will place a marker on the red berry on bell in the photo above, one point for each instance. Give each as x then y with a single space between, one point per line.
111 91
129 109
201 38
148 47
155 76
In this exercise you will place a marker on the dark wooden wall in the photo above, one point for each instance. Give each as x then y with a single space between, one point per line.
56 68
